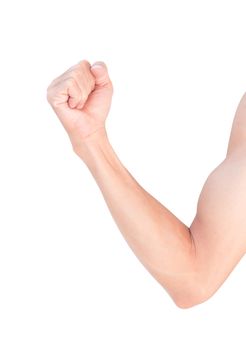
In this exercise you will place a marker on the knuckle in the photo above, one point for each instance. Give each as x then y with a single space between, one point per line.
74 73
84 63
83 96
71 82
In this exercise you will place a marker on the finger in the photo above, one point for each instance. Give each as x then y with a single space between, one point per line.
100 73
84 87
65 91
83 77
85 80
74 93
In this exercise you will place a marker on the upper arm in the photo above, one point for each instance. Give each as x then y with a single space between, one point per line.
219 227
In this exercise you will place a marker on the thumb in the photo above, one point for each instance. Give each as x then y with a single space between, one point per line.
100 73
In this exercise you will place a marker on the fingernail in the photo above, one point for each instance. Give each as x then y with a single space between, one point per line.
97 65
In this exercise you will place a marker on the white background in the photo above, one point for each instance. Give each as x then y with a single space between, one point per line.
68 280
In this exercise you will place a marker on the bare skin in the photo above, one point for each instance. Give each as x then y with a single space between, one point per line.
191 263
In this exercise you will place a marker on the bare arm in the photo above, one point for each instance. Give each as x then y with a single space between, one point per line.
158 238
190 263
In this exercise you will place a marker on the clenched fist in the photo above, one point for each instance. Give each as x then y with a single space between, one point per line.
81 98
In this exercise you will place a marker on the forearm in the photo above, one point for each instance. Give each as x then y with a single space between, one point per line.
159 239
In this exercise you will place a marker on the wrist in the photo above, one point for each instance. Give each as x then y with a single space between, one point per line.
85 146
98 154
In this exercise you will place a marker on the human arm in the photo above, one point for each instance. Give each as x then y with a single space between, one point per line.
180 258
191 263
157 237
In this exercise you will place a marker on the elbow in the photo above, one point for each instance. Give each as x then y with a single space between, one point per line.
189 299
187 304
